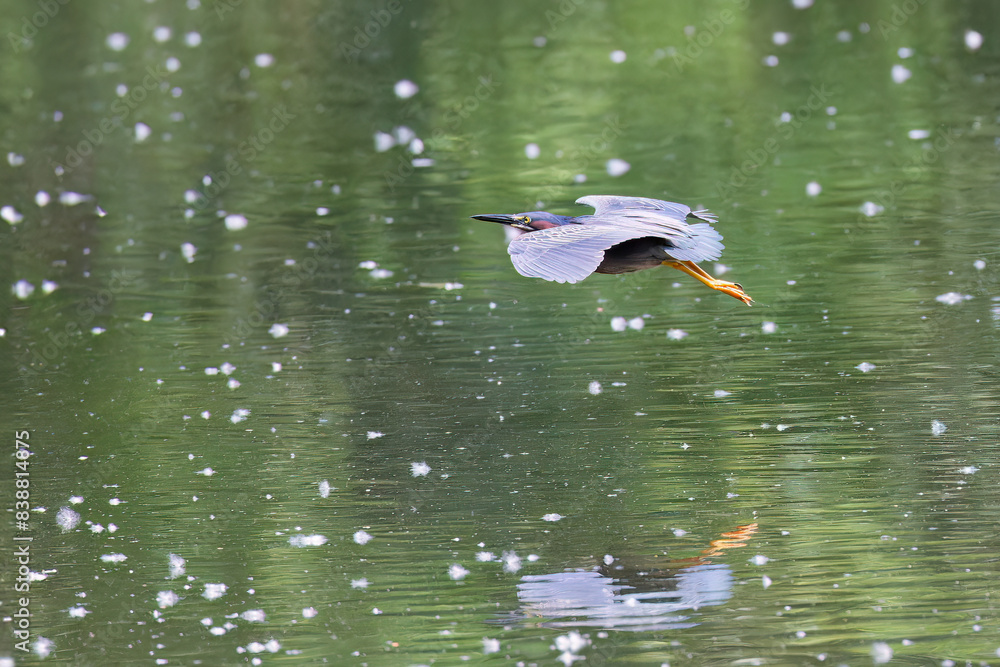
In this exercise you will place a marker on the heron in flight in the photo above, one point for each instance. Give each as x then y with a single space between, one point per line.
624 234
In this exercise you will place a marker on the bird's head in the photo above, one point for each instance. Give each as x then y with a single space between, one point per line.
532 221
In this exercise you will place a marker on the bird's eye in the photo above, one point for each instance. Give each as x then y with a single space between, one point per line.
526 219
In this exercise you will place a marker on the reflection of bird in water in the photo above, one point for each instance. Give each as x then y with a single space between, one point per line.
627 596
623 235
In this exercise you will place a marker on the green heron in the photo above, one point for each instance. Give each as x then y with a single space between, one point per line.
624 234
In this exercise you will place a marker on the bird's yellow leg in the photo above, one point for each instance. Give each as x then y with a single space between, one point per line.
734 290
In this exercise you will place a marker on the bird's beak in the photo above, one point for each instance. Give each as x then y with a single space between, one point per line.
497 217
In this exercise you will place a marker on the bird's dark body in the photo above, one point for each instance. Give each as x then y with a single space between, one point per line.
634 255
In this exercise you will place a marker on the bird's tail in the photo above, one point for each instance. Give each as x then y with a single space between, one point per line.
702 243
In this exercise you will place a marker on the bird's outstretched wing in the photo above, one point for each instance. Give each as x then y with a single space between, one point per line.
610 203
667 220
568 253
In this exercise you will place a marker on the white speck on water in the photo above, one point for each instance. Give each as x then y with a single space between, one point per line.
676 334
403 134
226 368
490 645
485 556
362 537
162 34
608 559
685 446
679 532
114 558
15 159
973 40
263 60
721 393
142 132
233 383
813 188
979 264
416 146
384 142
207 472
188 251
300 541
865 367
359 583
278 330
176 565
166 599
67 519
511 562
760 559
11 215
802 4
309 612
192 39
617 167
619 324
205 414
573 642
376 611
768 327
952 298
78 612
594 388
968 470
96 528
781 38
771 61
457 572
636 323
380 273
235 222
422 162
618 56
324 489
97 331
580 178
42 198
405 89
532 151
42 647
844 36
117 41
918 134
72 198
938 427
211 370
368 264
881 653
765 581
419 469
371 435
871 209
214 591
552 517
49 286
782 427
904 52
275 366
146 317
254 616
900 73
239 414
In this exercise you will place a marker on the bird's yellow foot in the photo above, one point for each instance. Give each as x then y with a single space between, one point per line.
734 290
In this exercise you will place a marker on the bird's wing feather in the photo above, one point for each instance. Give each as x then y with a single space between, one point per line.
610 203
568 253
689 243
